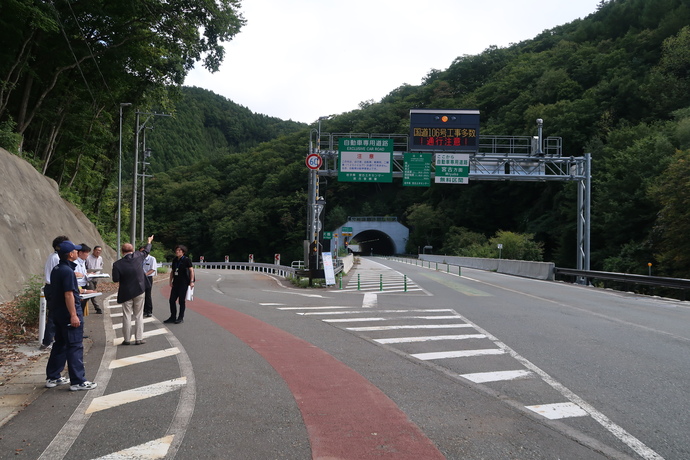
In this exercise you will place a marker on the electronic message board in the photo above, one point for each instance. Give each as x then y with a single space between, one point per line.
444 130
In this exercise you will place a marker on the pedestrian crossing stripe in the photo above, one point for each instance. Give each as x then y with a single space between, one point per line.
146 357
134 395
158 448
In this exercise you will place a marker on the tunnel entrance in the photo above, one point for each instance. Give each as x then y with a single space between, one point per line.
374 242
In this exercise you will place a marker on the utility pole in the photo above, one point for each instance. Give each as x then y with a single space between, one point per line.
139 127
119 184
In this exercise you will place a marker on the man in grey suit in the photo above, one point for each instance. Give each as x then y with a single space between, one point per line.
132 290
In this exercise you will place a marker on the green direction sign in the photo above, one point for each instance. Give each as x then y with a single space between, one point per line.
417 169
346 231
365 160
452 168
327 235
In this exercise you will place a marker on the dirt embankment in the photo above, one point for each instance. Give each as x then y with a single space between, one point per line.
32 214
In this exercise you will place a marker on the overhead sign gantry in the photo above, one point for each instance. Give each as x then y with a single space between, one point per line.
445 145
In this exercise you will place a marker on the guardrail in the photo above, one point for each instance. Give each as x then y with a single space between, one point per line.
674 283
272 269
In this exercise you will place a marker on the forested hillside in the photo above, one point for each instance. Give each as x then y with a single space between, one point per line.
615 84
205 125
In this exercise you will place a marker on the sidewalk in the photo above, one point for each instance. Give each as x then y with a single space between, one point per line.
27 381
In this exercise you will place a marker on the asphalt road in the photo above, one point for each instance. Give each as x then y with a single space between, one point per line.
403 362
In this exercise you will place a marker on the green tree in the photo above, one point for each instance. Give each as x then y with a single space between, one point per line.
673 225
517 246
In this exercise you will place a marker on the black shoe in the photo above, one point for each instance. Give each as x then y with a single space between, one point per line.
85 336
170 320
148 315
179 321
99 311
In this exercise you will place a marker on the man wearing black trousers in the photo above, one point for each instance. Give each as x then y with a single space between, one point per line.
181 278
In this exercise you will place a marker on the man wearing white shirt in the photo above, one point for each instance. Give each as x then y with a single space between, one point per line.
150 267
94 264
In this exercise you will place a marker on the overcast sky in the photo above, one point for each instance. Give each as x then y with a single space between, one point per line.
302 59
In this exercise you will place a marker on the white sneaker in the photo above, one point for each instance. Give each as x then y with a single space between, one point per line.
83 386
52 383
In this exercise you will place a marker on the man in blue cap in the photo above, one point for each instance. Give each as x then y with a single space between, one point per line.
68 318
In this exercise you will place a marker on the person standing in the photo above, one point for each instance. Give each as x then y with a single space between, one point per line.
80 272
51 262
131 292
150 269
68 319
181 278
94 264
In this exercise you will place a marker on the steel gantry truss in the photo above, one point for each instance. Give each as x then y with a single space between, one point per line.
499 158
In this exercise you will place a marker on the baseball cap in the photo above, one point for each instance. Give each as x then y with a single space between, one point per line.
67 246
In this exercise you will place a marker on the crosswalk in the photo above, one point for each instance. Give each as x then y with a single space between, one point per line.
445 338
371 276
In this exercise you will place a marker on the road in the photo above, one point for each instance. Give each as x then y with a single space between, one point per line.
403 362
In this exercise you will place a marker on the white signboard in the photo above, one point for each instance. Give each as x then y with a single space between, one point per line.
328 268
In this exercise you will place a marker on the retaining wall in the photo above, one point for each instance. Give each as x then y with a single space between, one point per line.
537 270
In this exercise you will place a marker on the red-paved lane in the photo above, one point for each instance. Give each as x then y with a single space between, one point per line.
346 416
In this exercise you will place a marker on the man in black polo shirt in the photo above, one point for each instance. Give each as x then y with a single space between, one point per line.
68 318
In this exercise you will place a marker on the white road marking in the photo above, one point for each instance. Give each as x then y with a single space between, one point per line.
136 394
498 376
146 320
370 300
144 358
158 448
638 446
558 410
414 326
147 334
457 354
347 320
430 338
438 310
269 304
310 308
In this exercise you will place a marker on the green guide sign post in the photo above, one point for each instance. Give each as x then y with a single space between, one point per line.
452 168
417 169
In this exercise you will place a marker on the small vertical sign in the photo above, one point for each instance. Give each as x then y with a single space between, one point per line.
417 169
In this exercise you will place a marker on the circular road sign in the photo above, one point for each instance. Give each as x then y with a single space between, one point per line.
314 161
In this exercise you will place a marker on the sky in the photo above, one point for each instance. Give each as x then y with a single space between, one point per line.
303 59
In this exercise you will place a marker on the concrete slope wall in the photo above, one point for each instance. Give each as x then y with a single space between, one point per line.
537 270
32 214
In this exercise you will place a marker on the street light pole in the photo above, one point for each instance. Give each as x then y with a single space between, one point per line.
119 183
